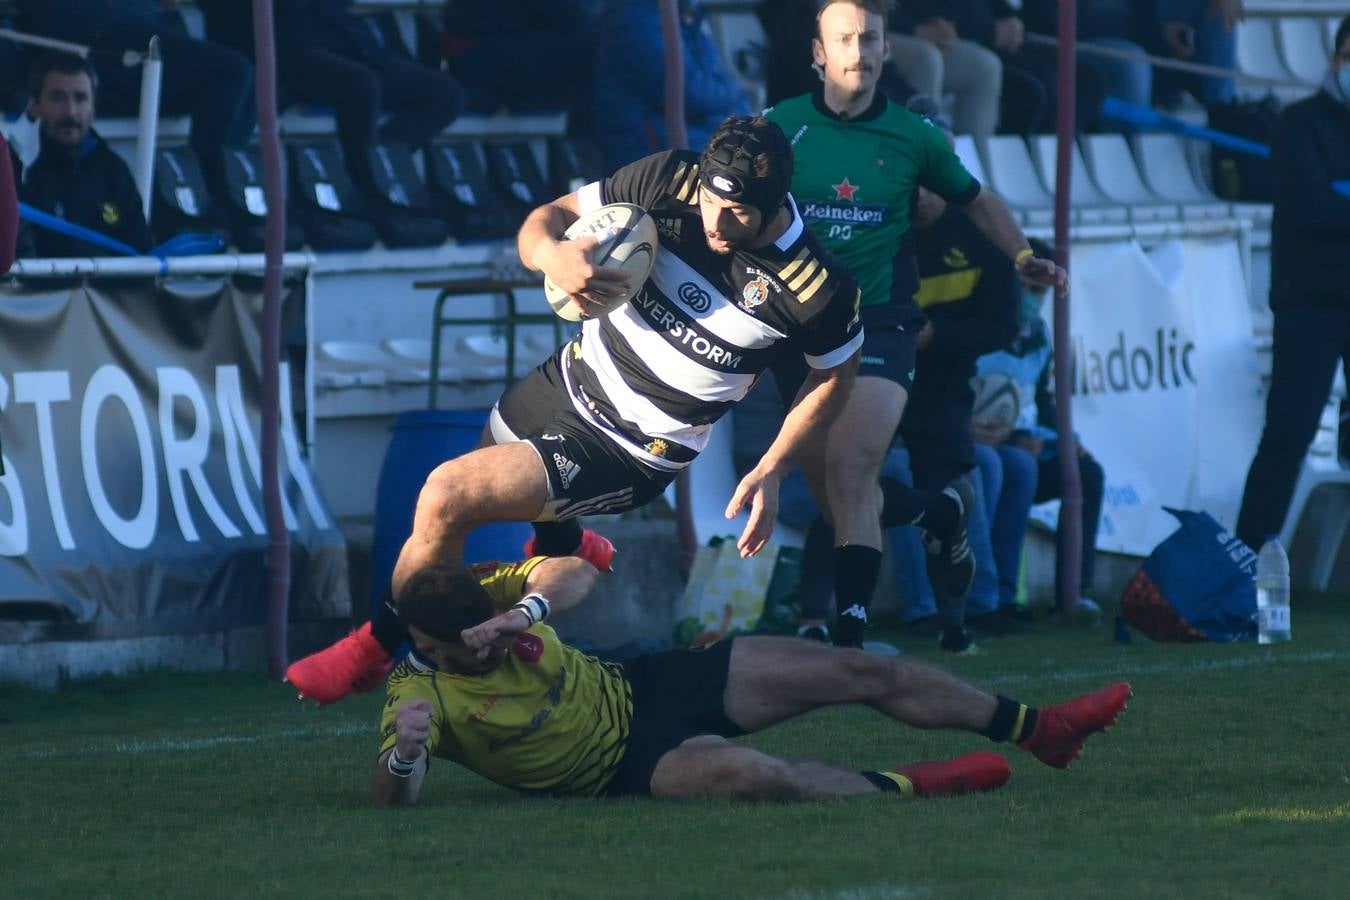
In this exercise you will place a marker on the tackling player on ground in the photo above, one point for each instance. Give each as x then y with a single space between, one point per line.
491 687
858 161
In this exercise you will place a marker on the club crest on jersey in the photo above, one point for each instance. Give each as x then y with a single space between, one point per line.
955 258
657 447
754 293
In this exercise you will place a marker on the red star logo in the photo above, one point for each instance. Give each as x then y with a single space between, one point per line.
844 191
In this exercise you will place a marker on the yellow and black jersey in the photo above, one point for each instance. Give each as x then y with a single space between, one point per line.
549 719
968 288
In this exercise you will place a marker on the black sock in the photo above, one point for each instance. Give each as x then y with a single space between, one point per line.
904 505
385 626
557 538
817 571
1012 721
856 569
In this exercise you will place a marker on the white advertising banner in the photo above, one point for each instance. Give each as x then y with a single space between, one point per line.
1166 389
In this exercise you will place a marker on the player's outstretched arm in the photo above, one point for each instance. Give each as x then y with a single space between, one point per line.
554 585
397 780
818 403
564 580
992 216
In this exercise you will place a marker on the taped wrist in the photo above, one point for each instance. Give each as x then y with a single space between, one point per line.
534 606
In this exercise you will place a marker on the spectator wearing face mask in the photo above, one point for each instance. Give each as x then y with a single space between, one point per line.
1029 450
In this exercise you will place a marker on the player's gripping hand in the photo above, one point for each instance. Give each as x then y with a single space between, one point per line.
500 631
1044 273
412 728
568 265
758 490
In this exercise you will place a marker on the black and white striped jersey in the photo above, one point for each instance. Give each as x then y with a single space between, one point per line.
656 373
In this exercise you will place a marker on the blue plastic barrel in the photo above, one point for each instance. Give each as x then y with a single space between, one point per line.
423 439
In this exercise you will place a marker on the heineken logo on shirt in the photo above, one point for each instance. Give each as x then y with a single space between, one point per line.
851 213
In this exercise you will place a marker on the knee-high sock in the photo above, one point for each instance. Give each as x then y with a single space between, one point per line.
817 570
856 569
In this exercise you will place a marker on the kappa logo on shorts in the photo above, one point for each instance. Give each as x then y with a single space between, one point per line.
567 470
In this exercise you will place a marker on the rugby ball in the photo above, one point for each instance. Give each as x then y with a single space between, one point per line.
628 241
997 401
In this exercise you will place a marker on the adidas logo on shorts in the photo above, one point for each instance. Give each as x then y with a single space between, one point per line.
567 470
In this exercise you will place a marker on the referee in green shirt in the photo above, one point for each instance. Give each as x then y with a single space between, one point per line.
859 159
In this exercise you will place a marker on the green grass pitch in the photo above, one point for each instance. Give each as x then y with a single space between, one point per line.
1225 778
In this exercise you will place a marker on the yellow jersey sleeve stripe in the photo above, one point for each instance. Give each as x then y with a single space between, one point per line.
786 272
678 178
690 187
810 290
804 275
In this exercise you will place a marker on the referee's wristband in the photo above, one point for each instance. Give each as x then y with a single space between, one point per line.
534 606
1022 256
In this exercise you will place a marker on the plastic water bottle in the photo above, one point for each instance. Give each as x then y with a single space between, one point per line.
1272 593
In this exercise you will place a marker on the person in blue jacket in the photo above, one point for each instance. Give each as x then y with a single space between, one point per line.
629 82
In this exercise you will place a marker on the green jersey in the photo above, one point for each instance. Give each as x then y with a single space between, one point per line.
854 181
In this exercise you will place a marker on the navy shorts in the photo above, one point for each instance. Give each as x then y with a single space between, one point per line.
889 350
676 695
588 473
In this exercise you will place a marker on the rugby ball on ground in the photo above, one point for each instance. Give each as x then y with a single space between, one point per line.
997 402
628 241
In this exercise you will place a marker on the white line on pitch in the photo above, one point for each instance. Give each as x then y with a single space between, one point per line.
176 745
1169 668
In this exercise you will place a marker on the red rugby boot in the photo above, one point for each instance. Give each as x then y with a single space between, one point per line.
1061 729
981 771
355 664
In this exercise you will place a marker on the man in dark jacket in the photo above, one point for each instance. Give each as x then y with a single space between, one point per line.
76 176
212 84
1309 288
